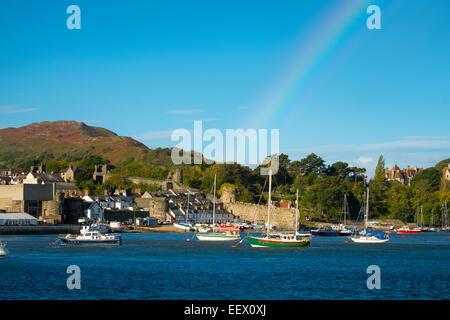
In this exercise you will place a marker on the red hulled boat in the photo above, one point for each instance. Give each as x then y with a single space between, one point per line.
405 229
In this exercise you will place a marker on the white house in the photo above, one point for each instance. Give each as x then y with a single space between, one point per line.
123 203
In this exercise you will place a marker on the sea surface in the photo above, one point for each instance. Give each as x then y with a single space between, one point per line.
166 266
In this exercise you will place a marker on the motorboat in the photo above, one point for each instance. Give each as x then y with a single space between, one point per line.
90 238
406 229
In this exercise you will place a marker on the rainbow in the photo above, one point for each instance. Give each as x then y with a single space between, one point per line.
328 31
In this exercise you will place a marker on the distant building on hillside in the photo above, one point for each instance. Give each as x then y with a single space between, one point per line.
446 172
402 175
37 175
101 173
69 173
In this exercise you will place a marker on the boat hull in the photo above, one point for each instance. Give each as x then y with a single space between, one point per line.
182 227
408 232
258 242
368 240
319 233
87 242
66 242
216 237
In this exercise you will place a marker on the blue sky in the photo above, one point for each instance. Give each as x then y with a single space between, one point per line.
145 68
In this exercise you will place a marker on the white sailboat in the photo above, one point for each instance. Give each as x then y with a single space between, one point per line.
228 235
365 237
3 251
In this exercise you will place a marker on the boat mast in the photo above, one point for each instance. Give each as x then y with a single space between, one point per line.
417 214
214 202
269 203
421 216
446 215
345 209
296 212
431 218
367 212
187 209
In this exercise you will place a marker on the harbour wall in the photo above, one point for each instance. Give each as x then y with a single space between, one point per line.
282 218
40 229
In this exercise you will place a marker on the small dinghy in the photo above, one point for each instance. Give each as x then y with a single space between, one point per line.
3 251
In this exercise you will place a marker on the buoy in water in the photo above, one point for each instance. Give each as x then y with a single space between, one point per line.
346 241
188 239
403 236
233 246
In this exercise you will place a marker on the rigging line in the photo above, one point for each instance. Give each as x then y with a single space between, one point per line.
260 197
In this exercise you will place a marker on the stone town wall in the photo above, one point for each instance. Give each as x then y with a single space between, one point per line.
158 207
161 184
282 218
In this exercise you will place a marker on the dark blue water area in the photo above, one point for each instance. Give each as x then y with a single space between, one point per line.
166 266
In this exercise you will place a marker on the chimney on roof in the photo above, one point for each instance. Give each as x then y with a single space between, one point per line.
86 192
105 192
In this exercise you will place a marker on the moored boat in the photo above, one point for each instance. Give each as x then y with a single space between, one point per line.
324 232
279 240
406 229
3 251
224 227
116 227
218 236
370 238
183 226
367 236
227 234
342 229
90 238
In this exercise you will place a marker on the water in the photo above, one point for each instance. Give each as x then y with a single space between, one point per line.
166 266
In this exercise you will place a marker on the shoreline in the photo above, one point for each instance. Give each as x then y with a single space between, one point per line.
75 229
40 229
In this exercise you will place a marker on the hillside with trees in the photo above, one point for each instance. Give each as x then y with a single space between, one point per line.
321 186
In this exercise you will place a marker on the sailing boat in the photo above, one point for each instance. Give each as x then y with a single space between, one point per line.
444 218
228 235
365 237
280 240
3 251
342 228
432 228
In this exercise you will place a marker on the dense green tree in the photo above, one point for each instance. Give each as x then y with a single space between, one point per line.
312 163
428 180
379 187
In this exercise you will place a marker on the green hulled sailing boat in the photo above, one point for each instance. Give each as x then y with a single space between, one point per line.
280 240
